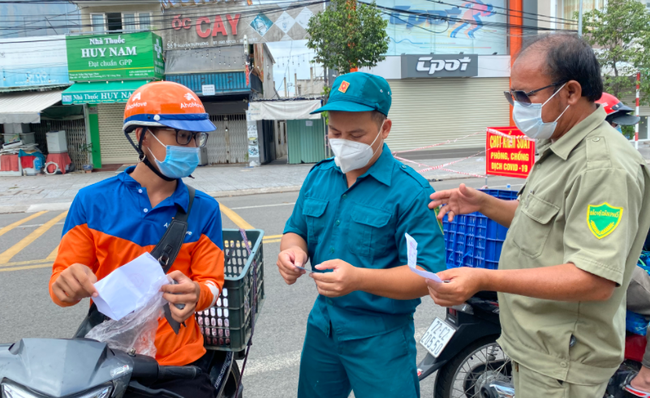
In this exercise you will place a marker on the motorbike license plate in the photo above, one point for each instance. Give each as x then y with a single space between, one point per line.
437 337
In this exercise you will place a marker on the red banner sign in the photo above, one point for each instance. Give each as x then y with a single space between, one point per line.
508 157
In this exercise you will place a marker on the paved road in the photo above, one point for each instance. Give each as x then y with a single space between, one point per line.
28 244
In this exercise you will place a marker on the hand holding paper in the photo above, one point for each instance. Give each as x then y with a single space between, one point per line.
412 252
129 287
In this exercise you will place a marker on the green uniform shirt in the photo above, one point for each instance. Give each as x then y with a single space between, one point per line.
585 202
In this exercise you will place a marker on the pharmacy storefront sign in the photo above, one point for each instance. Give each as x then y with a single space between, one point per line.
115 57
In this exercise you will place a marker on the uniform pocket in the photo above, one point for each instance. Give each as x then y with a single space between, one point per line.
367 235
313 209
532 227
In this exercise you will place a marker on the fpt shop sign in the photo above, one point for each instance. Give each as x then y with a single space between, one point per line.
115 57
429 66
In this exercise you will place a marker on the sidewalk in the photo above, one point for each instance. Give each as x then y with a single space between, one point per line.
31 194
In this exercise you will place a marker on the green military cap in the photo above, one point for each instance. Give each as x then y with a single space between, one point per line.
359 92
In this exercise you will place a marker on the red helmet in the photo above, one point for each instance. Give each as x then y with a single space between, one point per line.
617 111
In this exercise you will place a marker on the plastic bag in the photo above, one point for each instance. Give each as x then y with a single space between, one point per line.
136 330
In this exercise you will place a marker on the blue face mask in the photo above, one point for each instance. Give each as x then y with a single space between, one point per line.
180 162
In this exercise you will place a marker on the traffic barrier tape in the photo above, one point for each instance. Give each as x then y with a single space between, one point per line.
442 166
439 144
463 173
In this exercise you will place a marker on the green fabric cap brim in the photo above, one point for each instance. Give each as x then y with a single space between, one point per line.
344 106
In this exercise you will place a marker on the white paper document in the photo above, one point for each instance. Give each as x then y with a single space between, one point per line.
412 252
129 287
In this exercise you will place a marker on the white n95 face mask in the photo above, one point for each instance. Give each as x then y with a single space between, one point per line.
528 119
353 155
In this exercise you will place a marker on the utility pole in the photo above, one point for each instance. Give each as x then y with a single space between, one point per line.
638 95
580 20
285 88
295 88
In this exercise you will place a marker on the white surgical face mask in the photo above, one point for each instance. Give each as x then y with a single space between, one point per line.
353 155
528 119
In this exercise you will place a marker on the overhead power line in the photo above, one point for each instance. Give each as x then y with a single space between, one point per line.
394 11
195 12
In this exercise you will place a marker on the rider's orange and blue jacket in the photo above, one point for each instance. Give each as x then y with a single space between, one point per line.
111 223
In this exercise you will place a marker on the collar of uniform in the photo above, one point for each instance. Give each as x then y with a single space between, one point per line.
563 147
382 170
180 197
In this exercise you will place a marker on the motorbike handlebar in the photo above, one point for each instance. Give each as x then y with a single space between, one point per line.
178 372
146 368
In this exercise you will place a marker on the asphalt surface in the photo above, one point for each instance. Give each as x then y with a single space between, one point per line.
26 310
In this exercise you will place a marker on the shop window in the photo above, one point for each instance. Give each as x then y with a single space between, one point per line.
144 22
97 22
129 22
118 22
568 8
114 21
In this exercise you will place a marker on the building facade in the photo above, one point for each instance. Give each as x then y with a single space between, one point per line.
206 49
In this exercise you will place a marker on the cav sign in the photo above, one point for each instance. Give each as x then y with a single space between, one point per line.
427 66
115 57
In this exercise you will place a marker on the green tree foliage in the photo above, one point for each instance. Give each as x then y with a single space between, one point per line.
620 35
348 35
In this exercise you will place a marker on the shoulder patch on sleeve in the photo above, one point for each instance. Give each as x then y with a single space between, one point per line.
414 174
603 219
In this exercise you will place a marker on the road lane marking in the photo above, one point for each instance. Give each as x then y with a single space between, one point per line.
29 262
20 222
234 217
273 241
260 206
26 267
38 225
29 239
53 255
272 237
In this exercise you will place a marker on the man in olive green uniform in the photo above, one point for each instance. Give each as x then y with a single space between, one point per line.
575 233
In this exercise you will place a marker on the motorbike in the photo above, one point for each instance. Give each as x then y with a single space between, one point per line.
470 363
84 368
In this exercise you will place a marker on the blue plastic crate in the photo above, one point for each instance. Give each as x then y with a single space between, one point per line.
473 240
636 323
502 193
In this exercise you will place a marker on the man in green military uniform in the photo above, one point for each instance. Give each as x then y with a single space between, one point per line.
350 222
576 231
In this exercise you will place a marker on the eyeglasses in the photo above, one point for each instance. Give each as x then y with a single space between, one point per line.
184 137
524 97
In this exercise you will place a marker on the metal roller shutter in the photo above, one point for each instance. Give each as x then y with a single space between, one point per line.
116 148
432 111
231 146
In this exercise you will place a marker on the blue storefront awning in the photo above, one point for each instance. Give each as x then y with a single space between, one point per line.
218 83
